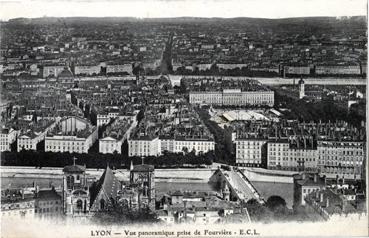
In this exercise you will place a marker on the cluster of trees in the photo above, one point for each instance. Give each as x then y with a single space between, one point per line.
98 160
222 153
325 110
170 160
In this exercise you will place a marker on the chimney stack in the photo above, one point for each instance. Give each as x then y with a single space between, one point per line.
327 204
321 197
315 178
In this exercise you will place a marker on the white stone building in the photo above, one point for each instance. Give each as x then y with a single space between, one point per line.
249 152
114 136
7 137
282 156
233 97
73 135
144 146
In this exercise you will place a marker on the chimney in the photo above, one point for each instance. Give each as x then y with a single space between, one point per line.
303 176
321 197
327 204
315 178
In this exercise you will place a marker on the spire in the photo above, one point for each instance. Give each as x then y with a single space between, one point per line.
131 167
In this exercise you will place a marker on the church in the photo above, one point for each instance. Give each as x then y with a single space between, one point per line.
81 199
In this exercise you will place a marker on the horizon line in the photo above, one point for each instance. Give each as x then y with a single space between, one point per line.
178 17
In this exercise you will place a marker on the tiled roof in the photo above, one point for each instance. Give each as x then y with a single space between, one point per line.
143 168
108 183
74 169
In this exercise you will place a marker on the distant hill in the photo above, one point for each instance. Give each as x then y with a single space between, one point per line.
238 20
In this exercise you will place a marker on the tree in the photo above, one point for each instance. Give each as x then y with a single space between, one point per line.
257 211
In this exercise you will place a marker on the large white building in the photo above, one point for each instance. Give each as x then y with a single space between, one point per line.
28 140
233 97
144 146
338 69
282 156
344 159
7 137
73 135
250 152
115 135
196 144
334 159
87 69
119 68
53 70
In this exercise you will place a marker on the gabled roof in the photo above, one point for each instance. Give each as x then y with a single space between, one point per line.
108 138
108 184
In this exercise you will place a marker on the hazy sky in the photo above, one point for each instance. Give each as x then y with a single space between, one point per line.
176 8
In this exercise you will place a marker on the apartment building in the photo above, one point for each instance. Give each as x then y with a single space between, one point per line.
73 135
144 146
251 152
29 138
344 159
115 135
282 155
7 137
233 97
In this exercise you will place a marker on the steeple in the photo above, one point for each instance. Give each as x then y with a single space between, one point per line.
131 167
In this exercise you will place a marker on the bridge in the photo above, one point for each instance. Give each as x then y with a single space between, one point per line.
240 186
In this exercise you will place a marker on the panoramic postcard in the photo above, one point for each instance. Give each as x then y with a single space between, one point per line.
183 118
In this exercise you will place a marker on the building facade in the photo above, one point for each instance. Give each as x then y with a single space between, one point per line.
115 135
7 137
73 134
251 152
76 195
233 97
344 159
281 155
144 146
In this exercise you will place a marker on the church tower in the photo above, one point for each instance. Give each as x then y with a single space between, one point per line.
143 178
76 195
301 88
226 193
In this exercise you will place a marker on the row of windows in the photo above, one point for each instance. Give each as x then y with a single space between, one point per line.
50 142
48 203
64 148
342 152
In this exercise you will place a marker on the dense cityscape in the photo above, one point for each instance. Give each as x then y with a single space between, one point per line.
183 120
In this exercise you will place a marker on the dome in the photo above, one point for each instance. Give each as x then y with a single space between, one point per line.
301 81
65 74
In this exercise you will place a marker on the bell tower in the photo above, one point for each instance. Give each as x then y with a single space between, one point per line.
76 195
301 88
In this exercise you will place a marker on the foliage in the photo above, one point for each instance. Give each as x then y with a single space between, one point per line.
98 160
